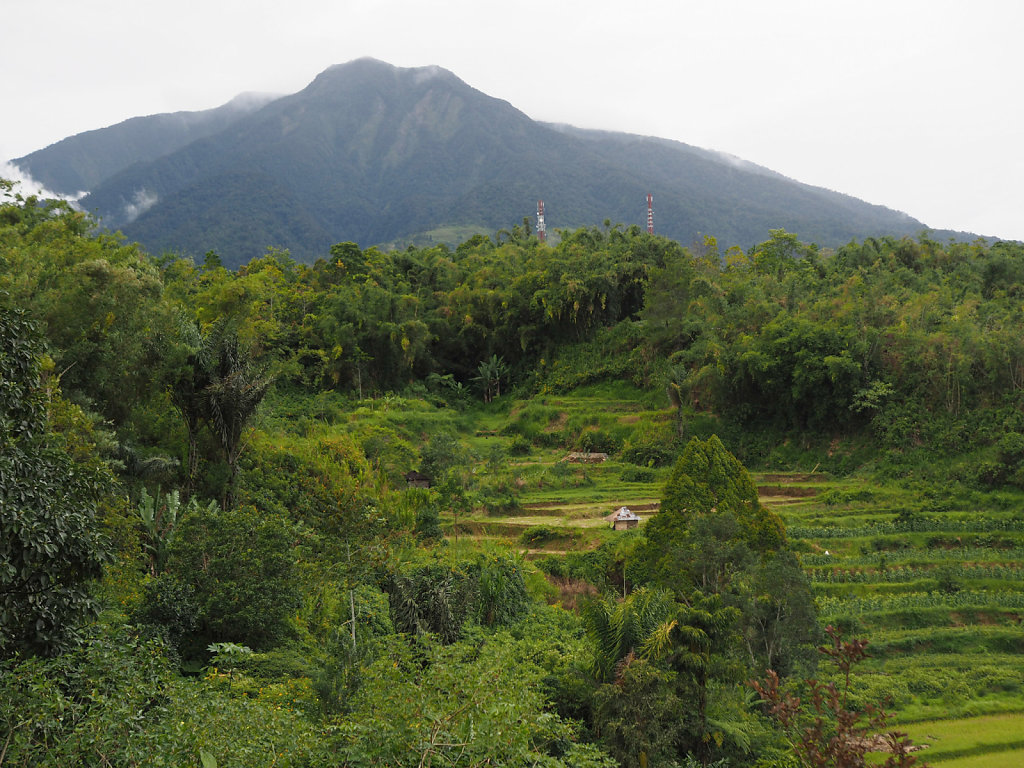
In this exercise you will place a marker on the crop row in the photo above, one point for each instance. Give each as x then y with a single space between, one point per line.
924 525
832 606
903 574
918 556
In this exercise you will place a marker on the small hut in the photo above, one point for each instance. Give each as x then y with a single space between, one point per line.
622 519
416 479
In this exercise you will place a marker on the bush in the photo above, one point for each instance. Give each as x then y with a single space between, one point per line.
835 497
519 446
597 440
638 475
651 445
538 535
241 568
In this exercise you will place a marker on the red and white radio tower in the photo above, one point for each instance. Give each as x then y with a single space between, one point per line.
650 214
541 229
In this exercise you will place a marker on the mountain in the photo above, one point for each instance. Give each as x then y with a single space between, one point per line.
83 161
373 153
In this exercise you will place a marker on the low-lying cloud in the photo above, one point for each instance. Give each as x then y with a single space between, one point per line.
27 186
141 202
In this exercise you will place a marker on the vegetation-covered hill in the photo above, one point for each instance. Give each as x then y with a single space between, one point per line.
80 163
268 591
374 154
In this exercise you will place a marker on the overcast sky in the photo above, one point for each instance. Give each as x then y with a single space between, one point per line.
912 104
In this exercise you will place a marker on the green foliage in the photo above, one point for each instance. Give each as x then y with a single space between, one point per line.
710 522
50 541
620 629
539 535
316 481
501 590
100 699
837 734
240 565
707 477
442 454
430 599
638 475
780 626
439 599
651 445
460 704
168 606
641 721
159 516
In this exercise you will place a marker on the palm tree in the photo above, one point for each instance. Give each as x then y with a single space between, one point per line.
188 385
489 374
237 387
621 628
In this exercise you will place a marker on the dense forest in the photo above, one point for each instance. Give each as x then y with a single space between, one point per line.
210 555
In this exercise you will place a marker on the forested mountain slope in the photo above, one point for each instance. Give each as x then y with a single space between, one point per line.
79 163
374 154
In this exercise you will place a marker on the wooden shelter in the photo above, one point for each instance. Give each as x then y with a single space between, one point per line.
622 519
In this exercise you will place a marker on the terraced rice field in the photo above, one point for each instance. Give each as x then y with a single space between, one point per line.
935 585
994 741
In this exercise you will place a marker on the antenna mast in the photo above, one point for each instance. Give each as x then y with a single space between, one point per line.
541 228
650 214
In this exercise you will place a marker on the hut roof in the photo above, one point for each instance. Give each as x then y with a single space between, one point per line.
622 513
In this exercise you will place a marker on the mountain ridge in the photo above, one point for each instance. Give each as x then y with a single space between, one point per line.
373 153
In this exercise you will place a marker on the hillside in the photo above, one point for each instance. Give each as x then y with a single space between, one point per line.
212 553
371 153
81 162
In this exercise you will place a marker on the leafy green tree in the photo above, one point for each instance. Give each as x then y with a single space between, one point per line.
187 385
51 546
655 656
709 514
780 626
640 718
490 373
242 570
460 705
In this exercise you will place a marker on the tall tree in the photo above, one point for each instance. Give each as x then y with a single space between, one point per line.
709 512
189 380
50 542
237 387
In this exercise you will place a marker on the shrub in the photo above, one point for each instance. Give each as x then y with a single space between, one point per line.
638 475
519 446
241 568
651 445
538 535
597 440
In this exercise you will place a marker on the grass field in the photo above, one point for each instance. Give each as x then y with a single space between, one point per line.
978 742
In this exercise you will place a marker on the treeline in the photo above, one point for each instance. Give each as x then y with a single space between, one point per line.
908 343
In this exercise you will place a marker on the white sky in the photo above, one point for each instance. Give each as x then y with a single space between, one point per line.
913 104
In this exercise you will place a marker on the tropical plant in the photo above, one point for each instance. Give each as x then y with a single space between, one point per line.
50 540
837 736
237 387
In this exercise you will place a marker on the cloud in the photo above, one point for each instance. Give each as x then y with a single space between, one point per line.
28 186
141 202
